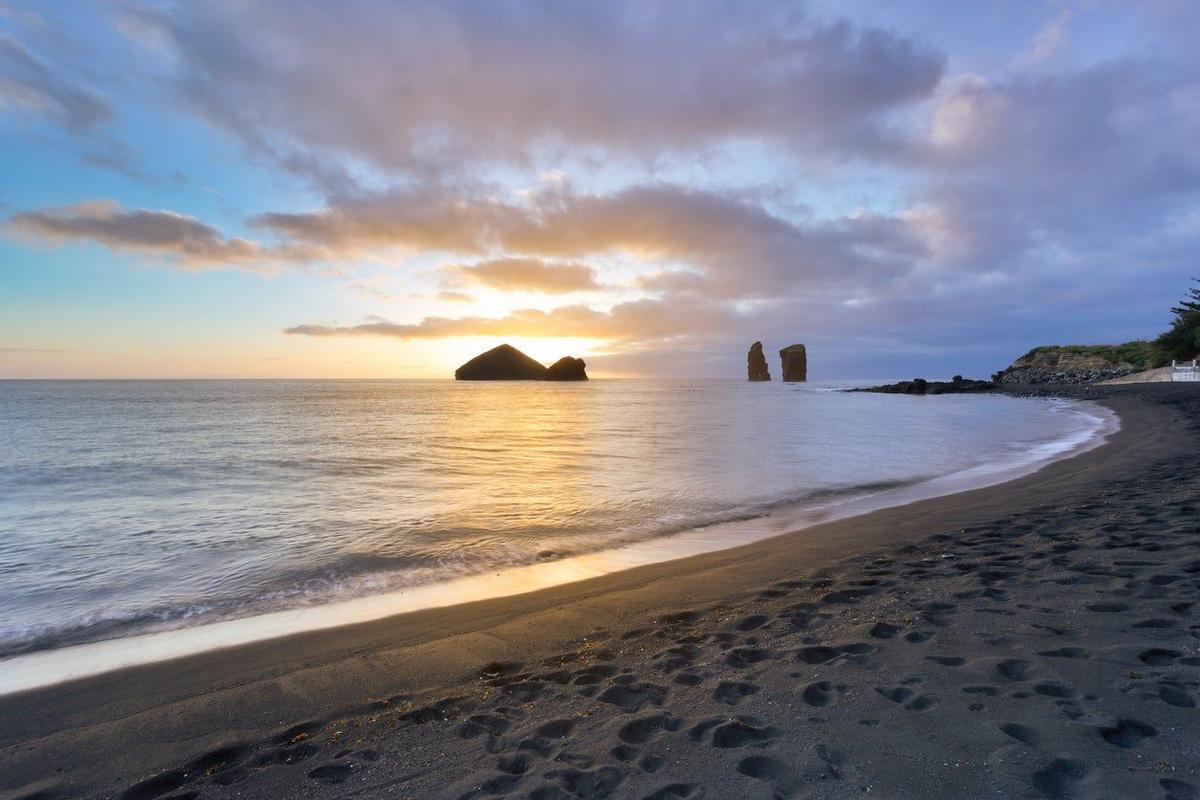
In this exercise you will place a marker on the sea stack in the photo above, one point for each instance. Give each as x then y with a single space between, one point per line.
795 362
503 363
566 369
756 364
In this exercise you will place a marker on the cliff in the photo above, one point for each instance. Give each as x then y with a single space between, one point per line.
1080 363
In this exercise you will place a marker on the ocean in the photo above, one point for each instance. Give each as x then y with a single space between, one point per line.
129 507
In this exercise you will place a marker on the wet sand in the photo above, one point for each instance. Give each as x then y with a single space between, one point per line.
1038 638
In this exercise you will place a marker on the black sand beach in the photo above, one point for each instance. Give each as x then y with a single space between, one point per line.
1038 638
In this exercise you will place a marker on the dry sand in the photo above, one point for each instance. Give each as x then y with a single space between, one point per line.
1039 638
1157 375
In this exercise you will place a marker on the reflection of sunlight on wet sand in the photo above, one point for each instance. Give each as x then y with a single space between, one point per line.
54 666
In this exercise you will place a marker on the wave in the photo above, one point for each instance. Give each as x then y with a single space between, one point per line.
56 662
349 576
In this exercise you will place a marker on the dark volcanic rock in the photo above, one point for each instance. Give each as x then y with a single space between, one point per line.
756 364
959 385
1028 376
503 363
795 362
566 369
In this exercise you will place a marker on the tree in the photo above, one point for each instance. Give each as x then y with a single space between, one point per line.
1182 341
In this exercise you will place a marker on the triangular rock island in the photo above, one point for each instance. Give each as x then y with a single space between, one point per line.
507 363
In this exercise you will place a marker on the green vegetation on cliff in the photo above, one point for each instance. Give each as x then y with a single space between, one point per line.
1138 354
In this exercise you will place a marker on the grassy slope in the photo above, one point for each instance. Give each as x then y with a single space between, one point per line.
1137 354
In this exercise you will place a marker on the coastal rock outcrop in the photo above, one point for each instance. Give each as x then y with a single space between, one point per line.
756 364
507 363
795 362
959 385
1076 364
566 369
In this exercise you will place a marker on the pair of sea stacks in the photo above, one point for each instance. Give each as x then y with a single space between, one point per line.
507 363
794 358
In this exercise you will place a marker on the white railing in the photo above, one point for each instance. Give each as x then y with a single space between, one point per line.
1185 372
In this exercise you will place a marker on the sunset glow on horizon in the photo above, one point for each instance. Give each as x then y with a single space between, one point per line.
375 190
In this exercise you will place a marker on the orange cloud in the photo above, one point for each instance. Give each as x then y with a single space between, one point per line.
639 320
529 274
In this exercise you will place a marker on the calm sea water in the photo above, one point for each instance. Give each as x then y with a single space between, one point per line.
134 506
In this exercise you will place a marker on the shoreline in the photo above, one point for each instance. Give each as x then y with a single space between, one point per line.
46 668
99 735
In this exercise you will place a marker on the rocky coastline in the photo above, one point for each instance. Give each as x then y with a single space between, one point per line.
958 385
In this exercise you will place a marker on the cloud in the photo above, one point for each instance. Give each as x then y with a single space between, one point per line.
166 234
1083 159
1049 43
444 84
737 247
639 320
528 274
892 203
27 82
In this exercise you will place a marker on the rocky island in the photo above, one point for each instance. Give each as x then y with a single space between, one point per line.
507 363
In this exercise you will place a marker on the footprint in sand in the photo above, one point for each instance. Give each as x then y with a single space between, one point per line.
734 732
882 630
1065 652
753 623
818 694
1060 779
947 661
1175 696
643 729
1158 657
733 692
1108 608
1179 790
779 776
600 782
633 697
1127 733
1013 669
743 657
907 698
1022 733
676 791
157 786
332 773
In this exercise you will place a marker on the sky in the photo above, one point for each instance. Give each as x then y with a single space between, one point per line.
283 188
